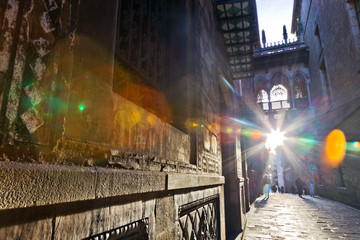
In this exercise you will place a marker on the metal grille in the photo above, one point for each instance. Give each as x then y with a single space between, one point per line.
141 37
199 220
132 231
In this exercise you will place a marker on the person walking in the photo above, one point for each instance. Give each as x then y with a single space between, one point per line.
266 184
311 187
299 185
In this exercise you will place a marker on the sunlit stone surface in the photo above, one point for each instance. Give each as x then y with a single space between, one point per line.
286 216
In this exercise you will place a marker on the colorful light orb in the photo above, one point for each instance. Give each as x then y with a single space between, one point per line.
247 132
229 130
128 115
238 130
256 134
195 124
150 119
81 107
335 148
356 144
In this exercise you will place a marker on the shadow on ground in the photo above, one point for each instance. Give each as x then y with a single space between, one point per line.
260 203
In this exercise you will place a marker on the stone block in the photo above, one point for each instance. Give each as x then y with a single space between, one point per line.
165 218
26 185
82 224
114 182
179 181
41 229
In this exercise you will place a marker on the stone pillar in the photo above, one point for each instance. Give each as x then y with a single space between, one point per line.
292 93
308 92
279 168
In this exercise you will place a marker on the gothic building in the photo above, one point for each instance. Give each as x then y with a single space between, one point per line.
135 118
333 66
307 88
113 118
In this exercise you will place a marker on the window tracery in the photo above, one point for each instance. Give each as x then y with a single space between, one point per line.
298 93
262 97
278 93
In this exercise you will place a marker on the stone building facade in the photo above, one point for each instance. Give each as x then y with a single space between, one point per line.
280 98
334 71
112 121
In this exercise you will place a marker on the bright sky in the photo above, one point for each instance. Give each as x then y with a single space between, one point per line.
272 15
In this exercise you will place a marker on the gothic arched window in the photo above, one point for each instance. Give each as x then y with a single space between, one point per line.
300 91
278 93
279 97
262 97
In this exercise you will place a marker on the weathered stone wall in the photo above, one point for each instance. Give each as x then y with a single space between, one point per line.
78 202
206 75
62 93
61 107
333 46
335 87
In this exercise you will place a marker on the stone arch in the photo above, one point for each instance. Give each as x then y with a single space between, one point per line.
260 83
279 78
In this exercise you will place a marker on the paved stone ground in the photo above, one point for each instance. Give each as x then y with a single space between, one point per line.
286 216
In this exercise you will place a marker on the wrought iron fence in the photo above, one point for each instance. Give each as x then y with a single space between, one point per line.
132 231
199 220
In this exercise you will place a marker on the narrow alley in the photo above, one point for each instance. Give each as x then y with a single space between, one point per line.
286 216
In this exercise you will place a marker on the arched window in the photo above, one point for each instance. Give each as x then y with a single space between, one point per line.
300 91
262 97
278 93
279 97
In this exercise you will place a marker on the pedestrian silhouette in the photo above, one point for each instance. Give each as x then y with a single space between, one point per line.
266 184
299 184
311 187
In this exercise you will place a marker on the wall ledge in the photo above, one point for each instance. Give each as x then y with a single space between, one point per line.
180 181
29 185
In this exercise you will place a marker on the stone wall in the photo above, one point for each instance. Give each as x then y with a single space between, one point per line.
333 59
77 202
334 71
79 156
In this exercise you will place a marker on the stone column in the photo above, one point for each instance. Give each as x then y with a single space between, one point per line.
279 168
308 92
292 93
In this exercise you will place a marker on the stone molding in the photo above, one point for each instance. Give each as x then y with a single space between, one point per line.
181 181
29 185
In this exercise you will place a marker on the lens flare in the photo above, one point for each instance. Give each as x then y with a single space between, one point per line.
335 147
307 141
274 139
247 132
229 130
256 134
81 107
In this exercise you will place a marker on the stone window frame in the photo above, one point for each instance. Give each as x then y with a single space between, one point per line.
357 9
276 90
353 9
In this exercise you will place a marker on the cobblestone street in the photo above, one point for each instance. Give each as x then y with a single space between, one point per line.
286 216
